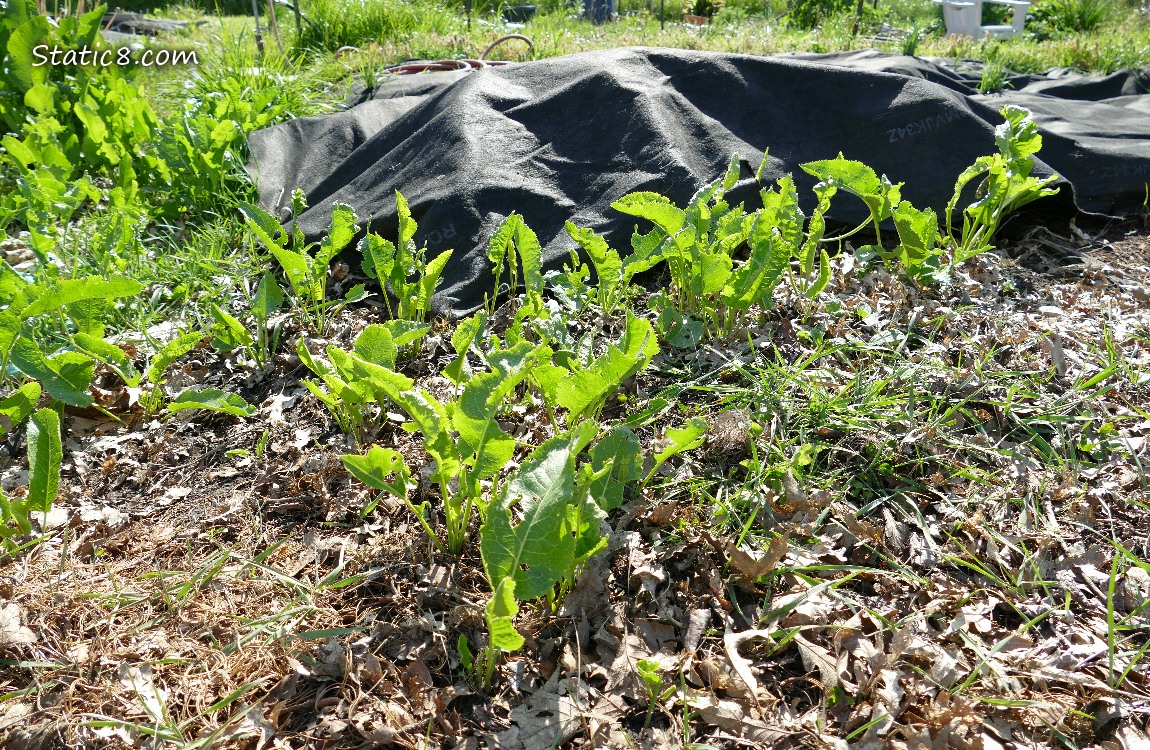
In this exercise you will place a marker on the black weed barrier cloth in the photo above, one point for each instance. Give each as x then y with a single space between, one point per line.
562 138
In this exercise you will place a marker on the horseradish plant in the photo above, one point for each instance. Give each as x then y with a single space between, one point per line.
306 272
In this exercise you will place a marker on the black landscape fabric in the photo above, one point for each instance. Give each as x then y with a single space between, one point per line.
562 138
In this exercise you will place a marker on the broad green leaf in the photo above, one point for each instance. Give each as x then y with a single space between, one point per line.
466 658
853 176
500 245
859 180
824 277
461 340
41 98
584 521
357 293
679 330
377 346
340 233
22 40
430 281
607 263
531 256
754 281
172 351
407 225
809 252
710 272
66 376
378 256
89 315
731 178
1018 137
18 406
212 399
584 392
499 613
12 286
516 245
647 251
406 332
45 453
538 550
109 354
228 334
374 468
297 269
268 297
319 367
330 400
781 212
69 291
679 440
917 233
474 416
656 208
265 226
617 459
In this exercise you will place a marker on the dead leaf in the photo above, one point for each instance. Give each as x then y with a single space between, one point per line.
550 717
12 631
742 666
697 625
138 679
816 657
749 567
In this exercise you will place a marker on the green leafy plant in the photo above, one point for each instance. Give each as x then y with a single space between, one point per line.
612 284
514 247
918 252
1006 186
267 301
45 453
384 469
993 80
345 380
64 126
582 384
48 311
461 434
712 292
306 273
555 531
211 399
230 335
19 405
403 270
702 7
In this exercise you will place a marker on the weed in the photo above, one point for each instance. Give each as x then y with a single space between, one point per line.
306 273
993 79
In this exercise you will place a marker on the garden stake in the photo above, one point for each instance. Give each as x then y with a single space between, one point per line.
259 37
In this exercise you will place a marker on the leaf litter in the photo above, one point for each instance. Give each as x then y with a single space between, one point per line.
938 540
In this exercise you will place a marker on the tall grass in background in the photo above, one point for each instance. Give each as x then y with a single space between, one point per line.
352 23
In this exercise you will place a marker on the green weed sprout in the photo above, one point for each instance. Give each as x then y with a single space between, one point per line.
411 278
